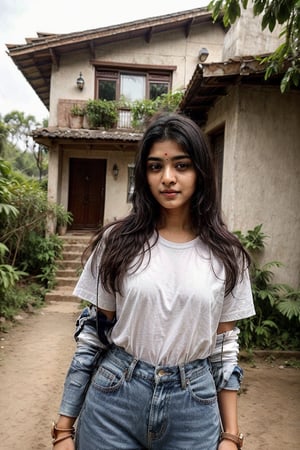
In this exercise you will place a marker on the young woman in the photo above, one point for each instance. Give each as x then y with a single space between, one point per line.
156 359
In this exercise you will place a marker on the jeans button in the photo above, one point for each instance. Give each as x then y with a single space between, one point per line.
161 372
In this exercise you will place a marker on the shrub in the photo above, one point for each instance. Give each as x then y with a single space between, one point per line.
102 113
276 323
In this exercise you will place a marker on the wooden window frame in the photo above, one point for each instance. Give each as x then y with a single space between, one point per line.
104 71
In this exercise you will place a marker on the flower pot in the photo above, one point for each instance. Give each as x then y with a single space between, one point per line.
76 122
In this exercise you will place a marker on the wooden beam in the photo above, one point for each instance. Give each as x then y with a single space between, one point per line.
54 59
188 27
148 35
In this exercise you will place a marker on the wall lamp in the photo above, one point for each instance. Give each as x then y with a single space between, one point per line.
203 54
80 82
115 171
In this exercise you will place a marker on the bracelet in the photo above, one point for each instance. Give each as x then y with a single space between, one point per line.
55 429
237 439
72 430
56 441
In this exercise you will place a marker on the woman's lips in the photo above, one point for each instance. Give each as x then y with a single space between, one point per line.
169 193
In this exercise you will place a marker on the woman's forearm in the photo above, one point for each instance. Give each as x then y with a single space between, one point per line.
228 410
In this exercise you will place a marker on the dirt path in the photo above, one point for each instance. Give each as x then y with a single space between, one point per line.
35 356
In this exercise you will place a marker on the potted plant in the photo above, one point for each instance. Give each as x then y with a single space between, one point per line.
76 116
63 219
102 113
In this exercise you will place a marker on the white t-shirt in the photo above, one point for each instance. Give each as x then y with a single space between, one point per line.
170 309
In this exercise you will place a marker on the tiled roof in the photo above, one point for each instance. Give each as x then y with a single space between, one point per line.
39 55
50 133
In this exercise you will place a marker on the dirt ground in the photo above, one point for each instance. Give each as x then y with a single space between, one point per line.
34 358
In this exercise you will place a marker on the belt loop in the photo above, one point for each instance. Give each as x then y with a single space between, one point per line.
129 371
182 376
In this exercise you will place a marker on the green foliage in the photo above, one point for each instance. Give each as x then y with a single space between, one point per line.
39 256
77 110
9 277
19 297
276 323
63 217
144 110
253 240
286 58
102 113
18 147
25 252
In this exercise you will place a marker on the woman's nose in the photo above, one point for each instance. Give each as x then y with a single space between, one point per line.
168 176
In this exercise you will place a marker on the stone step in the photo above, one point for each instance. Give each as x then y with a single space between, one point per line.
69 267
68 273
66 281
76 248
66 265
72 238
73 256
61 295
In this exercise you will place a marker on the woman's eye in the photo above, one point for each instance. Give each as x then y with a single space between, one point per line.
182 165
154 167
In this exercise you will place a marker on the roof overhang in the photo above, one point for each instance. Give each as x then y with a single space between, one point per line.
49 136
212 81
36 58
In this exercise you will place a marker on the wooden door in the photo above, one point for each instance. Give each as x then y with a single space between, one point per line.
87 192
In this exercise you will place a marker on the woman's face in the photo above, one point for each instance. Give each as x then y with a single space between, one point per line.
171 175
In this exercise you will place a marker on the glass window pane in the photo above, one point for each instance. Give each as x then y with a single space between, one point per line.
133 87
107 89
157 89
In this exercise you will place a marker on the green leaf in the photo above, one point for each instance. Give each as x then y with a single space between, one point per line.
290 308
284 11
234 11
258 7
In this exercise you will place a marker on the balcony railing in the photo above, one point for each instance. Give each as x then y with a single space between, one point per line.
125 118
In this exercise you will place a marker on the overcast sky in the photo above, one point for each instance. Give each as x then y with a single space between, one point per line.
24 18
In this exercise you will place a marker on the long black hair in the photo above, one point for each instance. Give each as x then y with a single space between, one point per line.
129 237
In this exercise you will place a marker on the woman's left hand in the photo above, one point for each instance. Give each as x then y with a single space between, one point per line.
227 445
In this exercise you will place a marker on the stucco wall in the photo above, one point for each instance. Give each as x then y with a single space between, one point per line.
246 37
261 174
169 49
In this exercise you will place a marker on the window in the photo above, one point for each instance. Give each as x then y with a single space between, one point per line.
157 89
107 89
132 85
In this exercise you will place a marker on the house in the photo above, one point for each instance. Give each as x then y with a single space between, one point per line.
253 128
90 170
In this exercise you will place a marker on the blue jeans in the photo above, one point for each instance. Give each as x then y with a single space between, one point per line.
132 405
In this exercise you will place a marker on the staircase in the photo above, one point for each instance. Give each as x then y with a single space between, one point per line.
69 267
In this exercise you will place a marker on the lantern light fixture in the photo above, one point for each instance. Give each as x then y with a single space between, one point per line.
115 171
80 82
203 54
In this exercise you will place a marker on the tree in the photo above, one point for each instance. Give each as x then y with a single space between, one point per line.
4 130
286 58
19 128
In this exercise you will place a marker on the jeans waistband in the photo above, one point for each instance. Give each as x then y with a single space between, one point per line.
178 373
